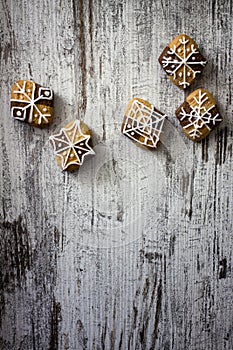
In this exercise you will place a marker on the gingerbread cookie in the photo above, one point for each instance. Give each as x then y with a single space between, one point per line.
198 115
182 61
72 145
143 123
32 103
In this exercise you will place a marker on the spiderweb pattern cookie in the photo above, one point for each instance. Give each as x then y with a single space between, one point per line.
143 123
72 144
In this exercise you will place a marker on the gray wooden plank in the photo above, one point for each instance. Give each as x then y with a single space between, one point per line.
134 251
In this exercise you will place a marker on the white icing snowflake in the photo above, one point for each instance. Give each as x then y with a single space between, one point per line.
186 63
199 116
143 121
31 102
68 148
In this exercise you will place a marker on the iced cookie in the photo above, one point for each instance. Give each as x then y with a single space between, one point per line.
72 145
198 115
32 103
182 61
143 123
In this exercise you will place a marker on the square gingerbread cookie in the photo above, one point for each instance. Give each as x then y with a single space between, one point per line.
198 115
182 61
143 123
32 103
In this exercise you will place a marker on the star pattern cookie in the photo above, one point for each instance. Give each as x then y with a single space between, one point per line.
32 103
182 61
198 115
143 123
72 145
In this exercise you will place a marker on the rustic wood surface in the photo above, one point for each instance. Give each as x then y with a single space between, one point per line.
135 250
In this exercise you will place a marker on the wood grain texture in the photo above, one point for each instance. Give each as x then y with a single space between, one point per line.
134 251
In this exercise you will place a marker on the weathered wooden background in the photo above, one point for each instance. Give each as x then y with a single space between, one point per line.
135 250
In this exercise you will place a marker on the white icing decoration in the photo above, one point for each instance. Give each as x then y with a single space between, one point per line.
145 122
199 116
20 112
80 146
30 103
182 62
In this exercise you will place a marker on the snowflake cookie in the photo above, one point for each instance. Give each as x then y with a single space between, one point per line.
198 115
143 123
182 60
32 103
72 144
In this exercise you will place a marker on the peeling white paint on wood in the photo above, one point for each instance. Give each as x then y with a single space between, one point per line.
135 250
